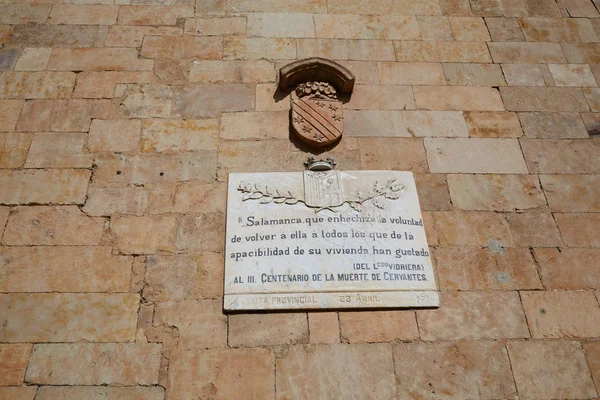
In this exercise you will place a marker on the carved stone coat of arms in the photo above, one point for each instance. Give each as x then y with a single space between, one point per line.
317 113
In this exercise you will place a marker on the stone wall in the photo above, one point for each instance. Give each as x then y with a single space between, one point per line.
120 120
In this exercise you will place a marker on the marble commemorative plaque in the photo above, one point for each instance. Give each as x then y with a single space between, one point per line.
326 240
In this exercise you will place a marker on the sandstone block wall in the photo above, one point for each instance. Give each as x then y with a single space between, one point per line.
120 119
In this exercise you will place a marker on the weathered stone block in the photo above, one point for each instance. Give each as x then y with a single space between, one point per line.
68 317
13 363
350 367
462 155
127 364
194 373
550 369
489 124
581 273
149 234
378 326
63 269
52 186
58 150
250 330
474 315
211 101
472 228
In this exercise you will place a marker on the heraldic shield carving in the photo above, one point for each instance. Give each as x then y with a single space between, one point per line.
317 113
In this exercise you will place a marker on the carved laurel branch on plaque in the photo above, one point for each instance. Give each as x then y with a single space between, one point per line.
392 191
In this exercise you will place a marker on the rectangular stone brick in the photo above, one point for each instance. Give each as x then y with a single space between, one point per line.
435 28
417 51
61 115
18 392
562 156
81 14
58 150
98 59
324 327
13 149
562 314
458 98
33 59
107 201
133 36
295 6
100 392
403 7
9 114
381 123
380 97
463 52
173 136
483 269
553 125
67 317
579 230
463 370
487 124
156 168
153 15
114 135
351 367
411 73
200 323
63 269
550 369
240 48
592 96
250 330
126 364
469 29
474 75
543 99
8 58
534 229
558 30
523 74
526 53
44 186
250 373
504 29
572 75
455 7
255 125
145 101
572 193
101 85
183 277
226 26
581 273
378 326
36 85
142 235
592 352
542 8
346 49
211 101
401 154
201 233
472 228
232 71
433 192
495 192
581 53
373 27
193 196
488 156
52 36
474 316
206 48
52 226
13 363
295 25
15 14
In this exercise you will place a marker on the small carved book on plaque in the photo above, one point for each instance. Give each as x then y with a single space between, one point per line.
326 239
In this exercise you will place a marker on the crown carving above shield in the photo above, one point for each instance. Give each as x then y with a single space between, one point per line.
317 113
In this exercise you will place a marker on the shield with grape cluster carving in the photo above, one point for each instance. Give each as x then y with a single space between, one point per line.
317 114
